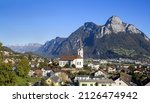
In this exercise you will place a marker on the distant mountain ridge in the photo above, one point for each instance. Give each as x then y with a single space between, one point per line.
114 39
49 47
31 47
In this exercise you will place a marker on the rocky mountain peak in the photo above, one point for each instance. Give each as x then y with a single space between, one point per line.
115 24
114 20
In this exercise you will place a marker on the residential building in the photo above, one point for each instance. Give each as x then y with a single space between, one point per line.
85 80
82 77
47 72
123 80
148 84
111 70
99 82
53 81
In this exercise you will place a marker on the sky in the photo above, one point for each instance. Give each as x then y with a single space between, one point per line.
38 21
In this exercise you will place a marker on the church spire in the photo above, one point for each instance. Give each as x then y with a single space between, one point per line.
80 50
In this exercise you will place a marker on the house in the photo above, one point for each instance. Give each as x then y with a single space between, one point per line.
6 61
148 74
93 66
100 72
31 73
99 82
5 53
63 76
148 84
76 60
123 80
53 81
38 73
33 64
111 70
47 72
85 80
82 77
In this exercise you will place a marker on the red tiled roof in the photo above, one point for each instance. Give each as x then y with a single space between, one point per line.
66 58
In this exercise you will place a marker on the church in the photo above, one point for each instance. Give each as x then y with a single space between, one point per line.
76 60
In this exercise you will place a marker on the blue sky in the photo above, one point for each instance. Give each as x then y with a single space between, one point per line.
37 21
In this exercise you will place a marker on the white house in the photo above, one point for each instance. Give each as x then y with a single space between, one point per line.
47 72
111 70
99 82
85 80
100 73
82 77
120 82
124 80
96 67
77 60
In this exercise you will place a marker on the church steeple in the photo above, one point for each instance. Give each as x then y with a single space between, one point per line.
80 50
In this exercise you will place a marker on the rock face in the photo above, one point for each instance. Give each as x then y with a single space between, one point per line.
113 40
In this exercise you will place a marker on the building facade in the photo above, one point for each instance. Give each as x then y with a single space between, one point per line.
76 60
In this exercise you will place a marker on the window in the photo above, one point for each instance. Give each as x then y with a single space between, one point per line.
119 83
91 84
78 63
103 84
84 84
61 63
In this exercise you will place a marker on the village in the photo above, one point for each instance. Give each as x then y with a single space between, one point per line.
75 70
94 73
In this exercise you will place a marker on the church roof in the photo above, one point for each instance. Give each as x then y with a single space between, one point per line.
71 58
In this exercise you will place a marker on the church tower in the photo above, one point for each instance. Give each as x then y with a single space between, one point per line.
80 50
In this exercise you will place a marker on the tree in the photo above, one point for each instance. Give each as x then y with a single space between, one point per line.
7 75
1 46
23 68
30 57
1 53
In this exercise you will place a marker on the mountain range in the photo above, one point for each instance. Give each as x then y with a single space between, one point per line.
114 39
49 47
31 47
